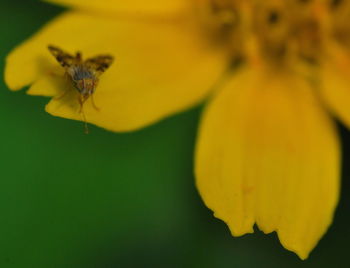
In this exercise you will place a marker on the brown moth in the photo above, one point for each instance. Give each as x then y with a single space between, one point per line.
84 74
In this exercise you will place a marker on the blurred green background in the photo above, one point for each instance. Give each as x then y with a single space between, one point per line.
118 200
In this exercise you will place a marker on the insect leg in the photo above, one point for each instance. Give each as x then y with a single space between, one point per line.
67 78
93 103
62 95
81 100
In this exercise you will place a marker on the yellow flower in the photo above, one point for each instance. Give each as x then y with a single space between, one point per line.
268 150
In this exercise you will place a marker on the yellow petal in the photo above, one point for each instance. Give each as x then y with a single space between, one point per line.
160 68
128 7
335 83
268 154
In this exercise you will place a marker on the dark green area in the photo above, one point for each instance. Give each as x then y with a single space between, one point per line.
118 200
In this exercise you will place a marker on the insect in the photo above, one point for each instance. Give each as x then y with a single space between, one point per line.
84 74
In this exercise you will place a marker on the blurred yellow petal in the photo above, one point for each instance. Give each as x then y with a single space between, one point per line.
335 83
268 154
128 7
160 68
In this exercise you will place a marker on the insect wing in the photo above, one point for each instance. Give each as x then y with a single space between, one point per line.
65 59
99 63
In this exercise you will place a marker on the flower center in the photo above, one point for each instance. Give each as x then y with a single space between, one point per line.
276 30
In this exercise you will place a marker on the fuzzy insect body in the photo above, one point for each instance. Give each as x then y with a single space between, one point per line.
84 74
